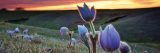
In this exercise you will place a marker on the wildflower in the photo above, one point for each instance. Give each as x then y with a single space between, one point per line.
64 31
124 48
16 30
82 30
27 37
72 43
87 15
109 38
10 33
25 31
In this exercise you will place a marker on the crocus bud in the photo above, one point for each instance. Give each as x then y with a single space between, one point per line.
16 30
124 48
146 51
87 15
109 38
64 31
82 30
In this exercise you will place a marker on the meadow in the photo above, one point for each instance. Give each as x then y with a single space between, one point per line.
51 40
140 28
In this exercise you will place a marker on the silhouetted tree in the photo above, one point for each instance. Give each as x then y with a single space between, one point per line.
19 9
3 9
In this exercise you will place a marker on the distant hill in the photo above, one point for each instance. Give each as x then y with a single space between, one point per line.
64 18
134 25
142 27
16 15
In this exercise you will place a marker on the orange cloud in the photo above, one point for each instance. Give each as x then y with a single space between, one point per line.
106 4
12 4
144 1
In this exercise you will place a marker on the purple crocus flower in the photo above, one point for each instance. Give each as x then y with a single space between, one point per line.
125 48
87 14
27 37
109 38
64 30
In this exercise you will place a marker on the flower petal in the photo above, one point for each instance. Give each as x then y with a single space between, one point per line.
82 13
89 16
115 37
93 11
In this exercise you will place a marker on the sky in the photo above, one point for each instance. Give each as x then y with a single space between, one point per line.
72 4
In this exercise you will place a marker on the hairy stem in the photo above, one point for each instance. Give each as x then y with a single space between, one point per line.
92 28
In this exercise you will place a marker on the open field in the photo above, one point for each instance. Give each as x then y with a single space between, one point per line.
14 45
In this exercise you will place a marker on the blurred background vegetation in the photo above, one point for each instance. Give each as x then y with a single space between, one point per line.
134 25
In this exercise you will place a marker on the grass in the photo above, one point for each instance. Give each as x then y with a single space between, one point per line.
33 30
21 46
14 45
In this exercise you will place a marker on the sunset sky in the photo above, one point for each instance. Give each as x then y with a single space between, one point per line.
72 4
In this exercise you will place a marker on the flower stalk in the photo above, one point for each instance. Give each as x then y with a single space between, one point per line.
92 28
93 37
93 40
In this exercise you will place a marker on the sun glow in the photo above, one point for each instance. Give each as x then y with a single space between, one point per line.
111 4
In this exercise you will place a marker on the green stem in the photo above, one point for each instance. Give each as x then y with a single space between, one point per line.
70 40
89 50
93 37
92 28
70 36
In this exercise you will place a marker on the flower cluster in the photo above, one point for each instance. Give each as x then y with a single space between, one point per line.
109 38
